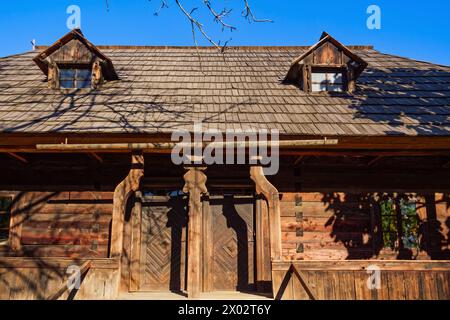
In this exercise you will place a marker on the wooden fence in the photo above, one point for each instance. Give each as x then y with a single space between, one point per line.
348 280
40 278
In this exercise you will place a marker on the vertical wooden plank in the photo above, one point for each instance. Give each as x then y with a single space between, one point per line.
195 181
317 282
383 293
412 286
298 290
277 281
136 222
362 291
207 242
346 285
125 274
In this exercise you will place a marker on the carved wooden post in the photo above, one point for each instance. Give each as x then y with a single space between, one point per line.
121 194
264 187
195 181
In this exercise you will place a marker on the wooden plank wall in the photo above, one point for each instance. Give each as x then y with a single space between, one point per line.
64 224
347 280
39 278
339 226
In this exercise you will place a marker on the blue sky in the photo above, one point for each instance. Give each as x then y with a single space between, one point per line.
413 28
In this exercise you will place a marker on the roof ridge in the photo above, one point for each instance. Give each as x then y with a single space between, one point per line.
354 47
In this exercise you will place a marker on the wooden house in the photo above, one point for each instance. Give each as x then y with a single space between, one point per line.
87 177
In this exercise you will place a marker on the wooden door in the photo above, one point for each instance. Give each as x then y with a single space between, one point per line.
232 227
163 243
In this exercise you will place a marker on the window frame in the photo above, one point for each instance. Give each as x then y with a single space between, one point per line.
329 70
74 79
398 205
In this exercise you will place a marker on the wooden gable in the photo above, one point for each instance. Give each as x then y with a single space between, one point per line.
327 53
74 49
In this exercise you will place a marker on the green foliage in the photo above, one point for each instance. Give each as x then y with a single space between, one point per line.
390 226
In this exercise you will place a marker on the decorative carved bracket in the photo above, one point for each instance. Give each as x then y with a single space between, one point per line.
195 181
121 194
264 187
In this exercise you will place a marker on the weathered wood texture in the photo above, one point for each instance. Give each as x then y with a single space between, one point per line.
38 278
347 280
61 224
195 181
233 244
163 244
338 226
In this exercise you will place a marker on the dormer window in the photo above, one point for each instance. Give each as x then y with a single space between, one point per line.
75 77
328 66
73 63
330 80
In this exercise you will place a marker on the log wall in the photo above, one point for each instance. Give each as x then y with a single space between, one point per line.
339 226
62 224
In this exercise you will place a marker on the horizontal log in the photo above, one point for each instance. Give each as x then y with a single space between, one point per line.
63 236
71 208
357 265
57 263
61 251
171 145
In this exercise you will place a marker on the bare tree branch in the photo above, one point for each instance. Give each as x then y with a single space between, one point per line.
219 17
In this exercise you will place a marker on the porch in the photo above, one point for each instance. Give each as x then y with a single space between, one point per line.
41 278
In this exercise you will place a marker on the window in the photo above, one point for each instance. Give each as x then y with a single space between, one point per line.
75 78
5 216
327 80
400 224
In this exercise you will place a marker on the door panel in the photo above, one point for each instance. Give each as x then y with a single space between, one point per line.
233 243
163 247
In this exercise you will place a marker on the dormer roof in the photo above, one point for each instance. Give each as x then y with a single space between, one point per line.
328 52
74 48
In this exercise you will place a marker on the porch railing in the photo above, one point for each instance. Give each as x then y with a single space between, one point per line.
361 280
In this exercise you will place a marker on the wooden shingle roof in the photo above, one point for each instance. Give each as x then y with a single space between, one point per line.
162 89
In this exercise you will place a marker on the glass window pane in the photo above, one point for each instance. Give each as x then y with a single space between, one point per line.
82 84
66 73
67 84
318 77
83 74
317 87
335 87
335 78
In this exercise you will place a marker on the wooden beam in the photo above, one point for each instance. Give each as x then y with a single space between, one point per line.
136 223
195 181
171 145
96 157
264 187
121 194
17 157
